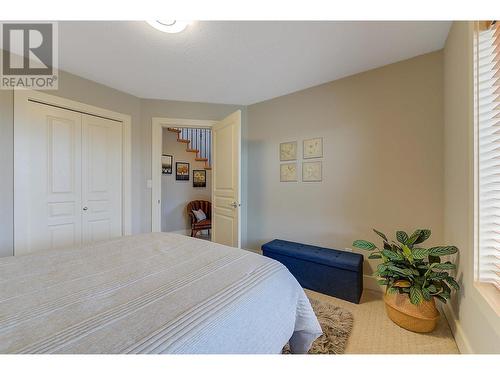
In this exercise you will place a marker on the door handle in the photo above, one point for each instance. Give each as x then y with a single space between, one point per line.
85 208
235 204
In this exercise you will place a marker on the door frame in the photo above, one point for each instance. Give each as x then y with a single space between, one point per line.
21 99
158 124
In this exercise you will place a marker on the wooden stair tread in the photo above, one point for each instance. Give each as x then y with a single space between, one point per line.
187 142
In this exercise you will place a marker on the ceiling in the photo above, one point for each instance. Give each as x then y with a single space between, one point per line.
240 62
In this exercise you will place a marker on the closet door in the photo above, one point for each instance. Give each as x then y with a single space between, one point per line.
47 179
101 178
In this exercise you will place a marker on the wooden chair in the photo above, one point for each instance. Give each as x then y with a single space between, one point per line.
206 224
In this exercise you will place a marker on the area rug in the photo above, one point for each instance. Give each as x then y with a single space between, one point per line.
336 324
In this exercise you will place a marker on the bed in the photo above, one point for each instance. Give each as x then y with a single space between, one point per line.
152 293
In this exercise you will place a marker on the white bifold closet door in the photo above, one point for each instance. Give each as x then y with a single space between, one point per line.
101 178
68 179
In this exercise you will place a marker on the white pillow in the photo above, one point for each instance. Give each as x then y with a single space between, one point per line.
199 214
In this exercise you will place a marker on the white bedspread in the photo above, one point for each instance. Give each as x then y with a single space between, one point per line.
151 293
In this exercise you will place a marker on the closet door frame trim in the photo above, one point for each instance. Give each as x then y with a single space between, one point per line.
23 97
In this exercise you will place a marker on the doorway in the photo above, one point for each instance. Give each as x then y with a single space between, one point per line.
186 181
225 174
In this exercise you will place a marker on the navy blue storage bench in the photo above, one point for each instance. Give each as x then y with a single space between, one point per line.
332 272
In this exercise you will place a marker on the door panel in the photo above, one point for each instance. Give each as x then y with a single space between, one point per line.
101 178
47 197
226 180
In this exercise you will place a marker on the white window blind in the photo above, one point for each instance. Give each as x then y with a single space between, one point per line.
487 77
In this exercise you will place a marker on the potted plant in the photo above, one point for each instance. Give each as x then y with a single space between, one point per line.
414 277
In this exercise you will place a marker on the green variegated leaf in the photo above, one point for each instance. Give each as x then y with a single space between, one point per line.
420 280
416 296
445 294
446 288
432 288
382 282
444 266
384 237
438 276
365 245
392 255
401 236
424 236
426 294
442 250
387 246
450 280
402 271
374 256
407 253
381 267
413 238
419 253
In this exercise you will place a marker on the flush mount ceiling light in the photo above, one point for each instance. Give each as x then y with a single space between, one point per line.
172 26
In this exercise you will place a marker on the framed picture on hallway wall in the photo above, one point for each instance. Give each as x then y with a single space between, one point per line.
199 178
166 164
182 171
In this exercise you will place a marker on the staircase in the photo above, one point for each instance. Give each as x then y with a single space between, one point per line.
197 141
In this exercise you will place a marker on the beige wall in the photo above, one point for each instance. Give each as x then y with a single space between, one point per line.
382 166
175 195
6 172
476 326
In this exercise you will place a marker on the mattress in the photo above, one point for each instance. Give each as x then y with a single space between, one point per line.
152 293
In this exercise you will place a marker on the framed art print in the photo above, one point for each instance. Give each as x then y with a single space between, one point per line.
313 148
288 172
288 151
312 171
182 171
200 178
166 164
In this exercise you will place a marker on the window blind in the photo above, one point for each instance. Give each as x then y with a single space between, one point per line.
488 152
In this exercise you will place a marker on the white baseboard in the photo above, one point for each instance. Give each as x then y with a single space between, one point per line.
457 331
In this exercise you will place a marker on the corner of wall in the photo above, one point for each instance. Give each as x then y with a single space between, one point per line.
458 333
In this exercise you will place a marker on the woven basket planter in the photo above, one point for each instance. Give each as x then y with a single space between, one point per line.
416 318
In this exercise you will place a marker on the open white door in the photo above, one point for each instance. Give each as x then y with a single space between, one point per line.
226 181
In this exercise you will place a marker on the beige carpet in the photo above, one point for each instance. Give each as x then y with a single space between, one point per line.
374 333
336 324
